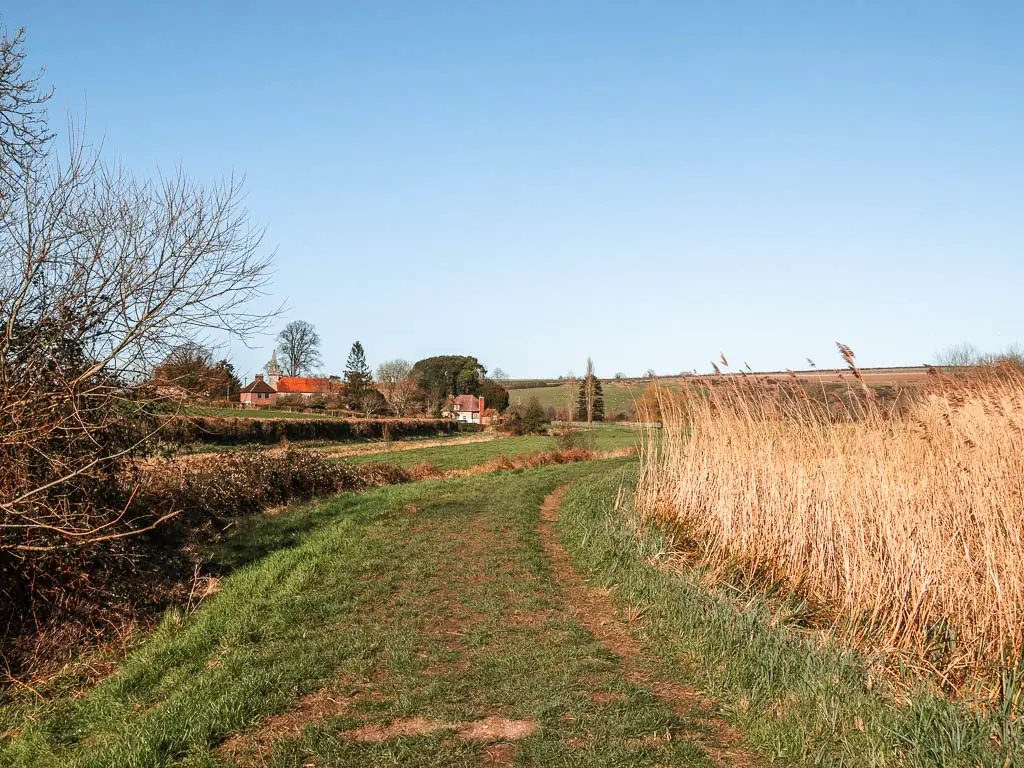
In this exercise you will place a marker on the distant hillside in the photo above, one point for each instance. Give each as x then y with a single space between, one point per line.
620 394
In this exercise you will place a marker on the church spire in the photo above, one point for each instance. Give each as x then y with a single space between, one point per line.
273 370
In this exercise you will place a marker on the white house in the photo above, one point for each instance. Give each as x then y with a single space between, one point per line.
467 408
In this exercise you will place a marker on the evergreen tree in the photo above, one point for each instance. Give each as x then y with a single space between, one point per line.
495 396
446 375
590 401
358 377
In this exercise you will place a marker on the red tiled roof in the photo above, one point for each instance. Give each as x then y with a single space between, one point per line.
467 403
307 384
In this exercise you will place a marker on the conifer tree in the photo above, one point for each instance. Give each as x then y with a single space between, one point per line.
590 402
598 411
358 377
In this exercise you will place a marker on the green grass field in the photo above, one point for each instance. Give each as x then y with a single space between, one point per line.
380 628
797 701
619 397
377 614
467 455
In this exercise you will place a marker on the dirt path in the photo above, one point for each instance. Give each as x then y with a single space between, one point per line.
358 449
404 626
593 608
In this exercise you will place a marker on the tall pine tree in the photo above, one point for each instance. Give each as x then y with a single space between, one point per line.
358 377
590 401
598 412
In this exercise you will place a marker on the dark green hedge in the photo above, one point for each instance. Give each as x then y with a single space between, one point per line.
232 431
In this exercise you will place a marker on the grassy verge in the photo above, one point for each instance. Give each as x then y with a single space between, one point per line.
474 454
796 701
413 608
345 448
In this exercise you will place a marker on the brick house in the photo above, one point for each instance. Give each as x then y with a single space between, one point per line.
258 393
301 386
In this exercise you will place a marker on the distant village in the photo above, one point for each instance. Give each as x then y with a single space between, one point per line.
447 386
267 390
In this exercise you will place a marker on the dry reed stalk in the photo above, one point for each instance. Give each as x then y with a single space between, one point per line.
905 525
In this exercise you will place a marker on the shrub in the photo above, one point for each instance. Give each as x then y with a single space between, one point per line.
534 416
231 431
570 439
531 420
73 594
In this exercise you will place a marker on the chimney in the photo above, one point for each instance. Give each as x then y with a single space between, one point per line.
481 406
259 377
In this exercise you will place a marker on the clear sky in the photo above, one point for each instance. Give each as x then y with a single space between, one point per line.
532 182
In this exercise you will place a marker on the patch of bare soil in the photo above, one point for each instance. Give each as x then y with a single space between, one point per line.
251 749
497 729
502 753
490 729
593 608
410 726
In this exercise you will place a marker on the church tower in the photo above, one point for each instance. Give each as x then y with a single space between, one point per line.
273 371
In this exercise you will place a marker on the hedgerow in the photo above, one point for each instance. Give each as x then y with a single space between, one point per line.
234 431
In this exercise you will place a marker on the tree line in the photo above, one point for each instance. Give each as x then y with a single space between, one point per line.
397 387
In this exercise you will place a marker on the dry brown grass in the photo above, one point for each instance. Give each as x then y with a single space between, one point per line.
902 524
427 471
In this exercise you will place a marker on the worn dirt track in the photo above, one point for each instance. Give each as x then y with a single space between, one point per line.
593 608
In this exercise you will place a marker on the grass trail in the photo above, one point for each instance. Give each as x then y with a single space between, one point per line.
443 623
797 700
407 626
463 456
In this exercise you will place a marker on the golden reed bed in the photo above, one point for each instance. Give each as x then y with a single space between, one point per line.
902 522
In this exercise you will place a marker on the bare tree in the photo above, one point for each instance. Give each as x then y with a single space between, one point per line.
191 368
299 346
101 275
394 378
372 402
24 131
959 355
499 375
590 402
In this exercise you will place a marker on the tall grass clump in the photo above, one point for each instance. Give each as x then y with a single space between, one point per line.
898 525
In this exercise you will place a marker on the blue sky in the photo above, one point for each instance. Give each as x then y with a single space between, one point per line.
648 183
